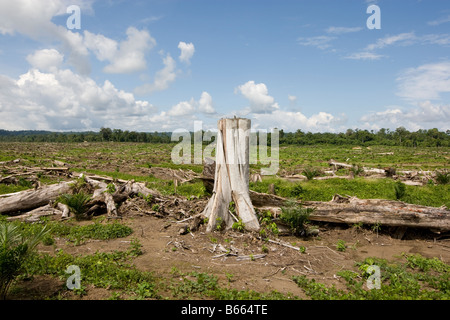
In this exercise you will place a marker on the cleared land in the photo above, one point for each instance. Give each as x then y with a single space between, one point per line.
229 264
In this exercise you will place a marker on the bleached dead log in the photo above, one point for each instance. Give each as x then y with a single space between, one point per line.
338 165
35 214
351 210
31 199
64 210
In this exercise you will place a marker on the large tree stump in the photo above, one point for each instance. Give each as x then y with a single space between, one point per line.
231 182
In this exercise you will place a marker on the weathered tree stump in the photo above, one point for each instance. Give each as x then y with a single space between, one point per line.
231 183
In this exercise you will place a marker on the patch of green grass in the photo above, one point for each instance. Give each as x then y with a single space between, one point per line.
11 188
75 232
417 278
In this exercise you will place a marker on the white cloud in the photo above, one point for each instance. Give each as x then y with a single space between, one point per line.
130 55
364 56
424 115
402 38
291 121
104 48
426 82
292 98
163 77
439 21
64 100
46 59
187 51
205 104
183 108
342 30
321 42
258 96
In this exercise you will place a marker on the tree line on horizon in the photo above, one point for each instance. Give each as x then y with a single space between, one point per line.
398 137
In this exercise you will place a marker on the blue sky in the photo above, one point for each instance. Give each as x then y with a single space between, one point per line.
161 65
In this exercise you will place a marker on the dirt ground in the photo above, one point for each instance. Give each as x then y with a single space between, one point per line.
165 249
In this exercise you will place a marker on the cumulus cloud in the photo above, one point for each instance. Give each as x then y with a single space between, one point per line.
187 51
203 105
130 55
46 59
163 77
424 115
183 108
291 121
426 82
64 100
258 96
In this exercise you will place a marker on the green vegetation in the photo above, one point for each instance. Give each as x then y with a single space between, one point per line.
418 278
400 190
296 218
112 270
443 177
77 203
398 137
15 249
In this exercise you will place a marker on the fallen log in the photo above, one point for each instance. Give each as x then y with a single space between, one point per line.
351 210
19 204
32 198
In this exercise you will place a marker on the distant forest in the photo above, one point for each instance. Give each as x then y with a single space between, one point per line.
397 137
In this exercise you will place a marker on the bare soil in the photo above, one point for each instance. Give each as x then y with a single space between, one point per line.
166 250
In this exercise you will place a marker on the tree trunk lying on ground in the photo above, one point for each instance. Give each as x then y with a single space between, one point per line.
34 203
351 210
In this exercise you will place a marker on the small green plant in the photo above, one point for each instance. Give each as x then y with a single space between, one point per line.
229 276
310 173
232 207
341 246
296 191
264 248
302 249
111 188
135 248
356 170
25 183
77 203
376 227
15 248
78 185
148 198
239 226
400 190
220 224
155 207
442 177
296 217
